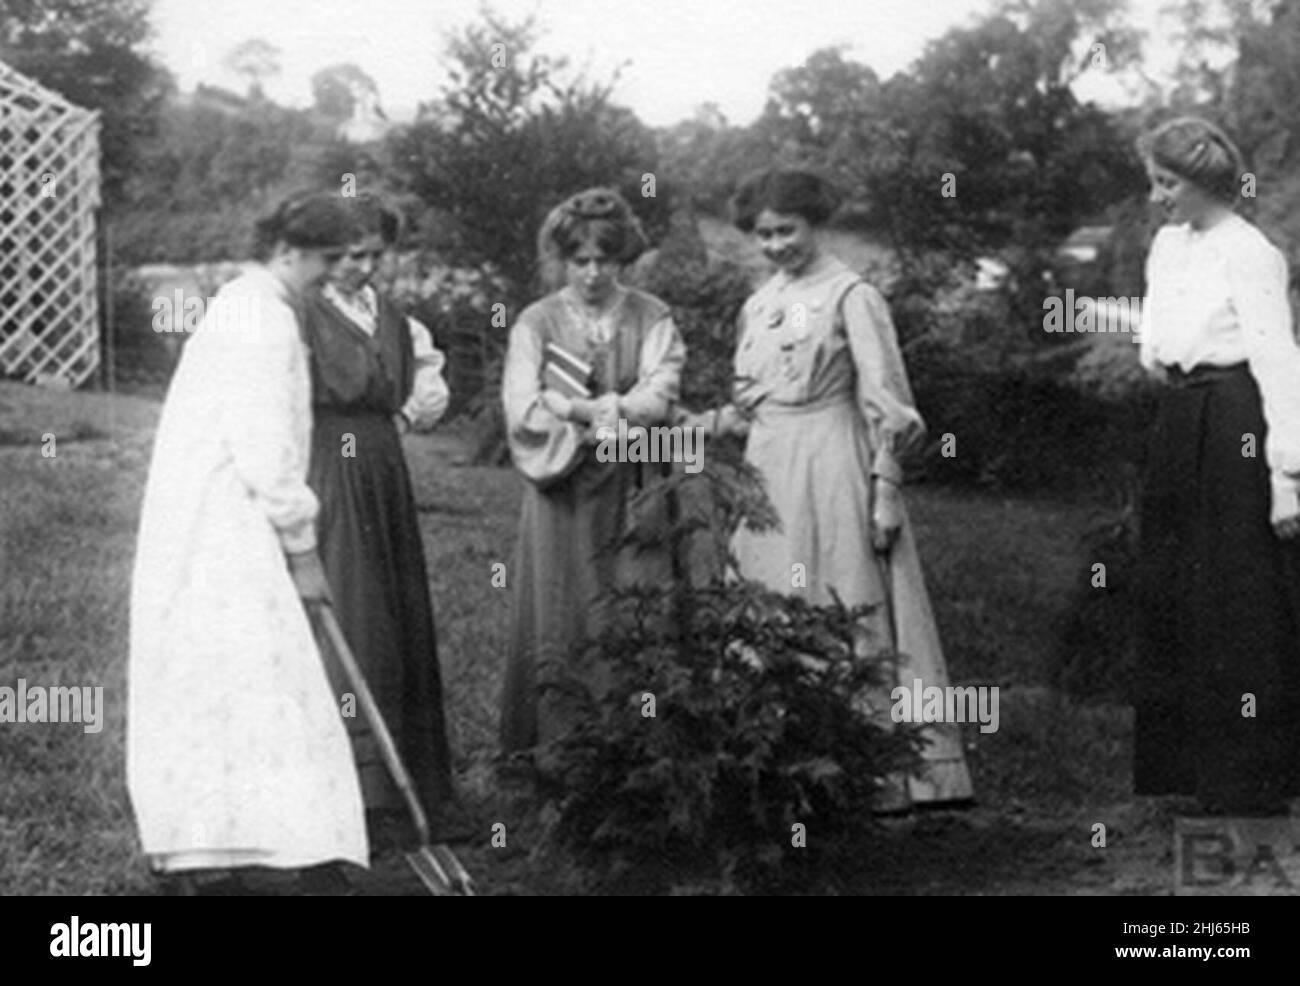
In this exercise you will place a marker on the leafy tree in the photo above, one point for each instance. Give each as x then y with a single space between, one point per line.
256 60
1240 66
992 106
334 89
826 96
703 158
509 139
214 167
88 51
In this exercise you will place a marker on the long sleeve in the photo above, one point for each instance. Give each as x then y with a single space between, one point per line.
883 391
429 394
266 422
1147 328
544 447
659 373
1258 284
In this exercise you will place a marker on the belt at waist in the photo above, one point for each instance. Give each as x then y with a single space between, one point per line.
770 408
1199 376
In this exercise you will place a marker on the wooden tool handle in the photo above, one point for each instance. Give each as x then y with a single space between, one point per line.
324 613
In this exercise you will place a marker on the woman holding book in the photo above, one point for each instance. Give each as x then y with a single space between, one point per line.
376 375
822 394
1218 703
579 360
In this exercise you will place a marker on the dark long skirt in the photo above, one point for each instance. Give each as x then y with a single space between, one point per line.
374 561
1220 604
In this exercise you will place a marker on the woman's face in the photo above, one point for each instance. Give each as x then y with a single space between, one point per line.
1179 200
357 266
592 273
301 267
786 238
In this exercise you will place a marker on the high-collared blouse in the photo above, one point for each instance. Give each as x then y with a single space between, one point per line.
825 334
429 394
1216 297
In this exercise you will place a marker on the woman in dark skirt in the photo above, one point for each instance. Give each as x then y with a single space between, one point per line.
376 374
1217 708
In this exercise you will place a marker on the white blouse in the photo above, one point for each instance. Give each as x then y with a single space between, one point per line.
429 393
1216 297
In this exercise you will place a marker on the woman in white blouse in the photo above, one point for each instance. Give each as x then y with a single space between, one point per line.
1219 574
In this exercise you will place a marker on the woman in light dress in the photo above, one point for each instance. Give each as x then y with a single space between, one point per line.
1218 702
237 755
574 504
821 391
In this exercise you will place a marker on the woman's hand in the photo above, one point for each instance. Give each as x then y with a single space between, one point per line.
1286 512
579 410
886 514
557 404
716 422
309 576
582 410
691 419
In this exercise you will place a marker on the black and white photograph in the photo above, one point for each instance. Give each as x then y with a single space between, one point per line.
574 448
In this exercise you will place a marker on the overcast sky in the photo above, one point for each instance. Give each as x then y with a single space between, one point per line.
681 52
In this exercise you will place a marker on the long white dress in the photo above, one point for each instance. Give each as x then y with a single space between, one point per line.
236 750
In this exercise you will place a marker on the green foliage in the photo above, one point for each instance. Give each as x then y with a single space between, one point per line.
142 359
217 164
1096 657
703 158
90 52
508 140
1021 426
334 89
755 728
465 309
758 717
706 298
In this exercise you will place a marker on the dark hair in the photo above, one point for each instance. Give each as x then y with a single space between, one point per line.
599 215
373 216
1197 150
788 190
308 220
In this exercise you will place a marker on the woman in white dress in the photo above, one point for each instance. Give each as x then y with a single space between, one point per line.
237 755
1218 702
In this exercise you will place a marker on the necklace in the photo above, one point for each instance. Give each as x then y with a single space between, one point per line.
596 321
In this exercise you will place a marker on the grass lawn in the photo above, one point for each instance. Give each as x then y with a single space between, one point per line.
1000 570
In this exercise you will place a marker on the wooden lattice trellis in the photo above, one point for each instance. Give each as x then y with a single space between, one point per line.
49 191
